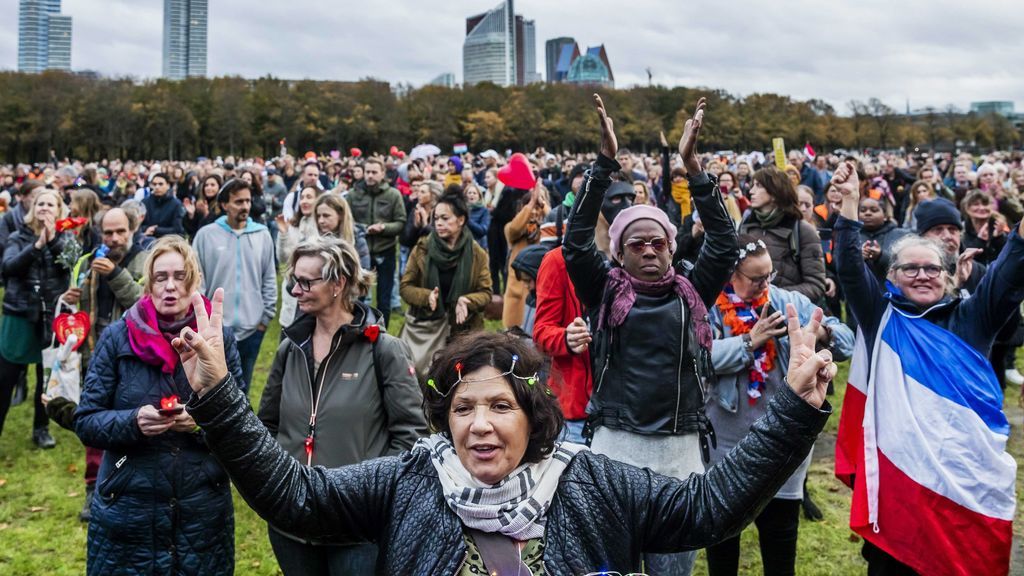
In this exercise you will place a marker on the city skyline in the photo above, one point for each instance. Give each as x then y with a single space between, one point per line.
798 49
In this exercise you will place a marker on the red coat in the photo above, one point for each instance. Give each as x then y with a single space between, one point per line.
557 306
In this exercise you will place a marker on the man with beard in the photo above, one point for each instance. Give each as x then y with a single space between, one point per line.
111 287
237 254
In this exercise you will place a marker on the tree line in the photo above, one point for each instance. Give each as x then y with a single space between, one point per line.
90 117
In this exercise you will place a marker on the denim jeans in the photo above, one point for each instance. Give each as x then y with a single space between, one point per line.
296 558
248 351
384 263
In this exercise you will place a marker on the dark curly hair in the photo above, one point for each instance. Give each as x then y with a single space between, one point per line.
478 350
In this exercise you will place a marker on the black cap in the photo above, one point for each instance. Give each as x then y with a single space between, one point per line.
936 213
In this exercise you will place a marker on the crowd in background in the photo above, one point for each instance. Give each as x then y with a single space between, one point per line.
449 242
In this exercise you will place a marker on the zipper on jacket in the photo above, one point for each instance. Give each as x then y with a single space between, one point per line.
461 564
310 438
679 365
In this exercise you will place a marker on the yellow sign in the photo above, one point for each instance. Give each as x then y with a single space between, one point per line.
780 153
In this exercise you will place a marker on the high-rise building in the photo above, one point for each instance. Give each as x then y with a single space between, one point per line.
447 80
553 52
58 55
489 50
36 40
185 27
526 52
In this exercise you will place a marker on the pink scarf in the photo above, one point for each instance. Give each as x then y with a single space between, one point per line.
622 288
150 334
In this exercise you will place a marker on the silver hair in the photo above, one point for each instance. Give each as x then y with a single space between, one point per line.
915 241
341 260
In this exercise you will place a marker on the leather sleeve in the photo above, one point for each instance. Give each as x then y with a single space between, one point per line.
347 504
707 508
718 255
587 267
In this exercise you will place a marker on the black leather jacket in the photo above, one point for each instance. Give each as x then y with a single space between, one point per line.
649 373
34 278
604 515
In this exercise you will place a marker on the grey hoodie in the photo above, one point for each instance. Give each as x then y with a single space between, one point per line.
242 264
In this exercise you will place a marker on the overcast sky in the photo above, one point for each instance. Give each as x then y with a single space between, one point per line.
930 52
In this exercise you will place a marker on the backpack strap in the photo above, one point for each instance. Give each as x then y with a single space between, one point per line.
558 223
794 241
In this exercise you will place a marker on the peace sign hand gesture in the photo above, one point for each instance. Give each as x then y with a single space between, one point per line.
202 351
809 372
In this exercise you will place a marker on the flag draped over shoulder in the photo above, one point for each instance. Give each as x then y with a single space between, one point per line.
922 442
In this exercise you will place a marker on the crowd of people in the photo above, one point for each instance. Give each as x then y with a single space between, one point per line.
657 311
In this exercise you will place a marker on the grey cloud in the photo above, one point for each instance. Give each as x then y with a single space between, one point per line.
933 53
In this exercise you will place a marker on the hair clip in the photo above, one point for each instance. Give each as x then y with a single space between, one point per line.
530 380
751 247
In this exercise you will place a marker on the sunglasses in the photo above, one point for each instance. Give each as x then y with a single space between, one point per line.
638 246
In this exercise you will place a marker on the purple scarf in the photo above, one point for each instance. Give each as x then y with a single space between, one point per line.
622 288
150 334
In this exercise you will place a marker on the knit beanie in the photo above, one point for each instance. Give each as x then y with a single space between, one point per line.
936 213
632 214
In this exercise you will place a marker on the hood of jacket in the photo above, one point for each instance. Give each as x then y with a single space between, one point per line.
251 226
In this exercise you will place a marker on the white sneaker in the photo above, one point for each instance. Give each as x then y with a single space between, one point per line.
1013 376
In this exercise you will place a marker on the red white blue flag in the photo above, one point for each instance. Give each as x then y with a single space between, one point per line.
922 442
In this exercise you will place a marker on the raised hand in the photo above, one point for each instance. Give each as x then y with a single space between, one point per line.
609 144
688 143
846 180
202 350
663 140
809 372
965 265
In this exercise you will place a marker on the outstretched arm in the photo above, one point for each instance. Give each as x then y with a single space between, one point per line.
587 267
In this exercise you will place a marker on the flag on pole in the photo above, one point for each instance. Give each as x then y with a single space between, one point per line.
809 152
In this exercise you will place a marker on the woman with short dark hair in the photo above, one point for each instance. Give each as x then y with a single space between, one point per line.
493 490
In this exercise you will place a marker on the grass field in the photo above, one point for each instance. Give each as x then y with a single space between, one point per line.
41 493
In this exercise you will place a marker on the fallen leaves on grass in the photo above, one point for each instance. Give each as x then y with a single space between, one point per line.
73 468
72 494
4 525
3 482
37 509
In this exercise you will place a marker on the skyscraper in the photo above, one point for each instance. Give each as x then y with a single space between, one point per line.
185 23
489 50
526 52
42 30
553 50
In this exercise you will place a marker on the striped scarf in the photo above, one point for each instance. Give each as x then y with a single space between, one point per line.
516 506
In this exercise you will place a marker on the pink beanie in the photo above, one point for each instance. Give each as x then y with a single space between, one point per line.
632 214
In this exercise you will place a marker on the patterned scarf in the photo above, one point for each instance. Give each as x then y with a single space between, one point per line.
740 317
622 289
516 506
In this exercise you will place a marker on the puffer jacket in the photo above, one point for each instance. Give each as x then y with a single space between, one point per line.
803 272
34 278
656 342
163 503
604 514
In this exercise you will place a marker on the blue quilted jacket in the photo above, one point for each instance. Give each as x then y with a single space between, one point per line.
163 503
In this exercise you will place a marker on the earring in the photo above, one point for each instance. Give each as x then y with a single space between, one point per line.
335 294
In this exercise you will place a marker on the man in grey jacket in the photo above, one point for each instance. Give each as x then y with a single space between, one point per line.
237 254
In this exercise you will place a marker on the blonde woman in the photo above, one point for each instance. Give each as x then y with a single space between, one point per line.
35 280
334 218
163 503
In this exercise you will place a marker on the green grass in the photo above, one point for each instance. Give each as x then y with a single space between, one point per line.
41 493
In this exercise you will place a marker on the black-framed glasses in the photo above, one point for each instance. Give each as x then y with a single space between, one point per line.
304 284
931 271
766 279
637 245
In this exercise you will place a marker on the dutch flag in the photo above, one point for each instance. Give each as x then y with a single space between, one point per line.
922 442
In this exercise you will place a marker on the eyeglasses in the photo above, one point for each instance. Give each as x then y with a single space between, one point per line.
638 246
931 271
766 279
304 284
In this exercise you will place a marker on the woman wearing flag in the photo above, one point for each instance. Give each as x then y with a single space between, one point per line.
922 438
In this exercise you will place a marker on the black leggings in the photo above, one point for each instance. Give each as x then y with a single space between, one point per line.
777 529
880 563
9 375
